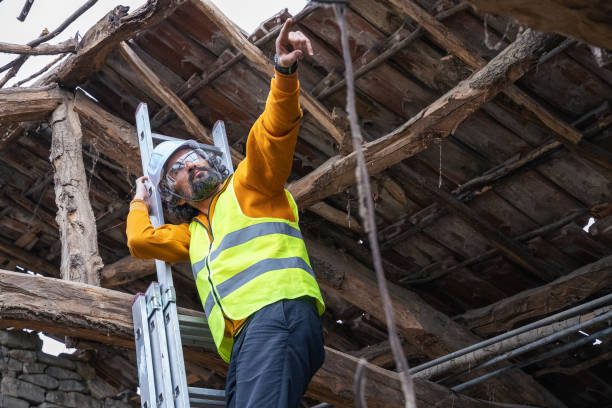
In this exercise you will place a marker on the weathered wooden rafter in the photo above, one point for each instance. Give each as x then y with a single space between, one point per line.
436 121
42 49
509 247
81 261
428 274
28 104
103 315
537 302
565 133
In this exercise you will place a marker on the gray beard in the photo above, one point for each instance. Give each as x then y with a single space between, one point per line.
204 186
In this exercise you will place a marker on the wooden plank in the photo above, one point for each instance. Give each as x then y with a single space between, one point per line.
81 261
27 104
103 315
437 120
541 301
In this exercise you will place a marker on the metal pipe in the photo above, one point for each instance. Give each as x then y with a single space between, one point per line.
541 357
534 325
544 340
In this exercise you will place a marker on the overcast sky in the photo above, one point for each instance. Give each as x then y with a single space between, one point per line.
51 13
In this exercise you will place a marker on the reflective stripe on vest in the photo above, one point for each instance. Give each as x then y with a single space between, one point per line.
244 235
235 282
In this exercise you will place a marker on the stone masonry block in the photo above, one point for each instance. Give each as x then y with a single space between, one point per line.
42 380
26 356
55 361
72 385
20 339
62 373
21 389
100 389
72 399
86 371
7 401
34 368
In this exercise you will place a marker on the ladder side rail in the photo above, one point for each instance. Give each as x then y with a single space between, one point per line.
146 380
159 348
169 316
220 139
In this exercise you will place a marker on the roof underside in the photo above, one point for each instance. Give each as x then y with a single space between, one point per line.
428 248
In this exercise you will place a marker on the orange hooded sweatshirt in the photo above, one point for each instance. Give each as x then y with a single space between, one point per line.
259 181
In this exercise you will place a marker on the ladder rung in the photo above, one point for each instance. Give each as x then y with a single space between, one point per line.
206 397
188 320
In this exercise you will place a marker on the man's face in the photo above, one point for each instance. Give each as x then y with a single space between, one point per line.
191 176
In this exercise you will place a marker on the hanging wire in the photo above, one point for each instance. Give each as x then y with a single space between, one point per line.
366 210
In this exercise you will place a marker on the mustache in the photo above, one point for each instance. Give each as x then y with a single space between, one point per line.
201 169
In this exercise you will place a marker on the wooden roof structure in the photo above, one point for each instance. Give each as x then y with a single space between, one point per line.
488 146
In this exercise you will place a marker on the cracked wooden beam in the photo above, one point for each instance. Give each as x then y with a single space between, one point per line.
81 261
27 104
437 120
538 302
104 315
256 56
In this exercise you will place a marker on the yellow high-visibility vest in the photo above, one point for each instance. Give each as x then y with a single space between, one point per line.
250 263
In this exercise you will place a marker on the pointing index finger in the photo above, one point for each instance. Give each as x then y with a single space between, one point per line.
284 32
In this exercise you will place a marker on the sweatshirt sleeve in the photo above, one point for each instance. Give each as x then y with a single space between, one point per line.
168 242
260 178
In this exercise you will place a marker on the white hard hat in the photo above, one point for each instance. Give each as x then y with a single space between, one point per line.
162 153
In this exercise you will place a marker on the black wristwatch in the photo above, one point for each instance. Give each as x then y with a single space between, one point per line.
285 70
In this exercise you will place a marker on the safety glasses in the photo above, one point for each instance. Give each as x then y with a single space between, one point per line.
192 156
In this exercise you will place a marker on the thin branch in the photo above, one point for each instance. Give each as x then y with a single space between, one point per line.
43 49
42 71
16 64
366 209
25 10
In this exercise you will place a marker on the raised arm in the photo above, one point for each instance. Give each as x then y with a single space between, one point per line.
261 177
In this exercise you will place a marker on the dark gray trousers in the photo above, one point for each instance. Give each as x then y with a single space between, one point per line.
275 355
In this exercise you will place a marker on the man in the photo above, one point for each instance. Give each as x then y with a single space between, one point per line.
242 236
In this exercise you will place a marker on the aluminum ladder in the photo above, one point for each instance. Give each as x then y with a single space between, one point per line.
159 331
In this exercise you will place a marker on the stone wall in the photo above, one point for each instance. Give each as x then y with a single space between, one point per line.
31 378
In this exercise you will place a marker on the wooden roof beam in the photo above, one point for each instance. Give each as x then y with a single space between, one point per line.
256 56
538 302
103 315
565 133
28 104
437 120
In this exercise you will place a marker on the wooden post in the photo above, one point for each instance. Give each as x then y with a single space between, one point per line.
80 259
